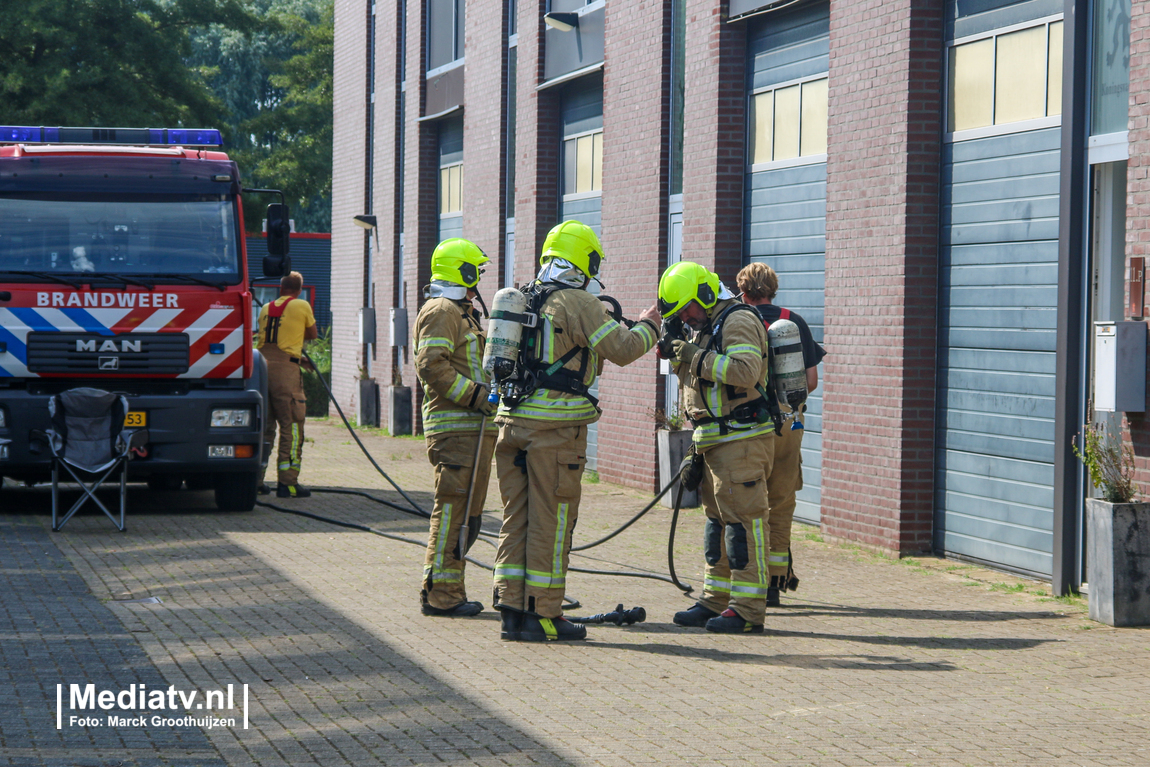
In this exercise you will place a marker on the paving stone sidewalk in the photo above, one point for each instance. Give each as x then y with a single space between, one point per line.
872 662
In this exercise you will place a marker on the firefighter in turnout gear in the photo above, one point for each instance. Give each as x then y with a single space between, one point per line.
449 360
284 325
723 374
759 284
542 446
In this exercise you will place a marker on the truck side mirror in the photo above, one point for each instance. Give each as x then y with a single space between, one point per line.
277 263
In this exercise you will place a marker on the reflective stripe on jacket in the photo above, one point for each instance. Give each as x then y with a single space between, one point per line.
717 382
449 345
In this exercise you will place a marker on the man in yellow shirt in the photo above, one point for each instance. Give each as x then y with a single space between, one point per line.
285 324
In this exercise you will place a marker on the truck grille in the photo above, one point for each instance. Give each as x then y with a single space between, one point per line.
124 354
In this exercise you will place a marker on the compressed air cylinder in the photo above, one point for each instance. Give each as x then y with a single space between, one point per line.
504 333
788 371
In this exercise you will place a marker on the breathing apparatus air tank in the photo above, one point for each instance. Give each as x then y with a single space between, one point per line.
504 333
787 368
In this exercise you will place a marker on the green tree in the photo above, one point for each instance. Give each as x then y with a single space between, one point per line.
110 62
239 65
291 139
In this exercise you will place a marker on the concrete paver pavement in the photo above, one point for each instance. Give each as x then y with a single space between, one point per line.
872 662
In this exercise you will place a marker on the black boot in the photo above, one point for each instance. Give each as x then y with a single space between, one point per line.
292 491
696 617
512 624
730 622
777 586
461 610
538 629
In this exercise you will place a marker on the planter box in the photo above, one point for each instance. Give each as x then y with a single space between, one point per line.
673 447
399 410
367 410
1118 562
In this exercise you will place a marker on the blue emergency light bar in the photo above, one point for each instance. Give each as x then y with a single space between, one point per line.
125 136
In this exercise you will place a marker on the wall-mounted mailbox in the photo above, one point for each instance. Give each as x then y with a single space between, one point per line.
1120 367
398 326
367 325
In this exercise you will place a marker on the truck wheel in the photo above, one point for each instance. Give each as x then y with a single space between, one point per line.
236 492
164 482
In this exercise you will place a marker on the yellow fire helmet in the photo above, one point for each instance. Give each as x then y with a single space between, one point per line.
575 242
685 282
457 261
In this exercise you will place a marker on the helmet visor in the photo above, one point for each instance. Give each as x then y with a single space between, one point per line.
668 308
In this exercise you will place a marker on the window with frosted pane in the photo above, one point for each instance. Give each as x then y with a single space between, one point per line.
1005 78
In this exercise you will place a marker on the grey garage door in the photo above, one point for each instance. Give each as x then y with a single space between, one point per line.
785 216
999 280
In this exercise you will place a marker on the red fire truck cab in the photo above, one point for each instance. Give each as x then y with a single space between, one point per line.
123 267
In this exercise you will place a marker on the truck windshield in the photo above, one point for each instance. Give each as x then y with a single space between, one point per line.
154 234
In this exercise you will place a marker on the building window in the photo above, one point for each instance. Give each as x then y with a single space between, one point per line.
451 189
1006 77
583 163
512 65
789 121
445 27
450 166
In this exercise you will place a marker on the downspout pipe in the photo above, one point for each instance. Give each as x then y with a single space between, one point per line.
1072 242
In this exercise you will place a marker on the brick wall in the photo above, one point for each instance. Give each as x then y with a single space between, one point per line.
537 145
484 138
713 139
1138 201
421 196
881 273
348 177
385 204
636 119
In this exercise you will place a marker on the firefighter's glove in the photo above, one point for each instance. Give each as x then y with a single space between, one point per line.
691 472
685 351
481 405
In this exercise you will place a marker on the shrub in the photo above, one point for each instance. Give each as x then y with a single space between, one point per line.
1110 463
320 352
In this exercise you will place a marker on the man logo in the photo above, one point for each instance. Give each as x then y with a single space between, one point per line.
109 345
109 363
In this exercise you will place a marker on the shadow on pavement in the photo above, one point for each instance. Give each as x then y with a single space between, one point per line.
846 611
812 661
55 632
324 689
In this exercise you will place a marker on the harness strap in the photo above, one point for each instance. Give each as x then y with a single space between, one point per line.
277 310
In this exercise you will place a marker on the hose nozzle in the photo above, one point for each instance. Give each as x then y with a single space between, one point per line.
618 616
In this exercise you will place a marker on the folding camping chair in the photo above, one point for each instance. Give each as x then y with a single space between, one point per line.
89 440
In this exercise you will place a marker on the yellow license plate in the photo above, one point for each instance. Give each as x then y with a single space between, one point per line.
135 419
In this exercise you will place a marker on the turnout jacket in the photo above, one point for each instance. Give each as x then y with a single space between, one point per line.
718 383
571 318
449 344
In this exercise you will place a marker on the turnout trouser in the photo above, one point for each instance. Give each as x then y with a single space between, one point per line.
784 479
287 408
737 533
540 476
453 457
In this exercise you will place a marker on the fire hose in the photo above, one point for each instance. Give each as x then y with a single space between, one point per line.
416 510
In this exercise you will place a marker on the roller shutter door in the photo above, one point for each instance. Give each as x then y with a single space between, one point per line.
785 202
998 283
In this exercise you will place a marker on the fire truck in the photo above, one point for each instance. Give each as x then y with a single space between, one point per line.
123 268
